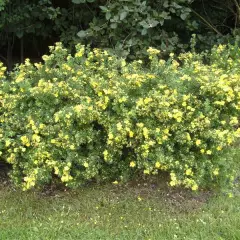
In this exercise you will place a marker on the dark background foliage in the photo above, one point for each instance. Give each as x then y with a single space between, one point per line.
124 27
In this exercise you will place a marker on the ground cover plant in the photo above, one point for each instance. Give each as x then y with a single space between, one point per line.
93 116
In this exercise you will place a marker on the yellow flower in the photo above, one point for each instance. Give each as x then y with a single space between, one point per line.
229 140
56 118
66 169
139 199
132 164
157 164
110 136
140 125
147 100
209 152
173 177
72 147
78 108
105 153
166 92
122 99
25 141
188 137
172 183
195 187
219 148
36 138
7 143
145 132
119 126
189 172
216 171
31 122
165 137
56 170
198 142
23 149
85 164
153 51
131 134
179 119
230 195
66 178
115 182
146 171
202 151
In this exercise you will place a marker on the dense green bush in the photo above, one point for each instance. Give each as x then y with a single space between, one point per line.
94 116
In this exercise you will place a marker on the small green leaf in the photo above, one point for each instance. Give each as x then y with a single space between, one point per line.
113 25
108 15
144 32
82 34
123 15
183 16
78 1
105 9
153 23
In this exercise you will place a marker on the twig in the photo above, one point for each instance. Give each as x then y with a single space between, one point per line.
208 24
3 58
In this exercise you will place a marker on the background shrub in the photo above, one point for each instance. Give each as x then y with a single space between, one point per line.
94 116
126 28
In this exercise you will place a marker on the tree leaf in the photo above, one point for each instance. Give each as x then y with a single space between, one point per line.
78 1
105 9
108 15
153 23
19 34
82 34
113 25
183 16
123 15
144 32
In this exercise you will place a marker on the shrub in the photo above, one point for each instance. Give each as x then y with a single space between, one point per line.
94 116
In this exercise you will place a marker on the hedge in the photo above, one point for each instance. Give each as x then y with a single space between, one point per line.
93 116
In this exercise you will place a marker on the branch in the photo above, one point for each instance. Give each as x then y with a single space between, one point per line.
238 8
208 24
3 58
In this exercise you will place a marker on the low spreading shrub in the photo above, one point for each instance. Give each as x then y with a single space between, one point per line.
94 116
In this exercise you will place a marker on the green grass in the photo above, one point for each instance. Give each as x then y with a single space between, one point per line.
137 211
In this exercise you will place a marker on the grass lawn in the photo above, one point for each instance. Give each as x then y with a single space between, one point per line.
135 211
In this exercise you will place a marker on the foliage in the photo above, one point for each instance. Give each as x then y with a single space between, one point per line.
126 28
25 19
216 22
2 4
94 116
129 27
